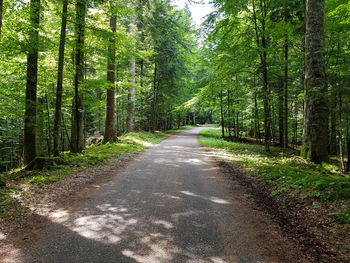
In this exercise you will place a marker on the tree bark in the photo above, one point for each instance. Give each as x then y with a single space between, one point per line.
285 112
59 90
316 126
110 103
130 120
77 116
1 12
29 151
281 113
262 46
222 117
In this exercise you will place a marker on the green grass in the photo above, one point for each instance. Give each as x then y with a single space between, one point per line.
286 171
181 129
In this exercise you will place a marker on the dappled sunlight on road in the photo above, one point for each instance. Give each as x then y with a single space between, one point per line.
211 198
165 207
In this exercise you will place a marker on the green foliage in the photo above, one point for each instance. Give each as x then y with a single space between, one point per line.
284 170
42 180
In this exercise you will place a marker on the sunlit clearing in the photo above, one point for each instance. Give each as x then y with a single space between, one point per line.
138 141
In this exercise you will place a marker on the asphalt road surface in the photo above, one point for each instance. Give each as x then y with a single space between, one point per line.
170 204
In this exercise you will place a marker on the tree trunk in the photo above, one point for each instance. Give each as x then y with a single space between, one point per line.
48 126
39 133
1 11
109 128
285 112
130 120
29 150
340 132
316 126
59 90
262 46
281 113
77 116
333 131
257 125
222 117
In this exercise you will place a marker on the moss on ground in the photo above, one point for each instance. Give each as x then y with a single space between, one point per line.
287 172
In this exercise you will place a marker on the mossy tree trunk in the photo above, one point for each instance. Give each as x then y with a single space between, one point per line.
316 111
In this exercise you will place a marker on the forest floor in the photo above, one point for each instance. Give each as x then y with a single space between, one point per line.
311 203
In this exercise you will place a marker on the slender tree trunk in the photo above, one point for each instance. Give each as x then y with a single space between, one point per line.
222 117
316 127
263 61
340 132
1 12
154 101
229 112
257 121
109 128
59 90
333 131
39 133
31 88
77 116
281 113
130 120
48 126
285 112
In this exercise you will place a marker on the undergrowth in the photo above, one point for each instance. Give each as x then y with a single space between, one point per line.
287 172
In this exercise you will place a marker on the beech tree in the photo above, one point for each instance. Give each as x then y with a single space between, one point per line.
110 102
31 88
316 107
59 90
78 111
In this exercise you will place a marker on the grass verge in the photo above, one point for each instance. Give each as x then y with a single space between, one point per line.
287 174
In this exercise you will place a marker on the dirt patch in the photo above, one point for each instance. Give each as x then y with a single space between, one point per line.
321 238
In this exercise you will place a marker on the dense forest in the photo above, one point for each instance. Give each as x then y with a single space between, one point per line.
272 71
72 69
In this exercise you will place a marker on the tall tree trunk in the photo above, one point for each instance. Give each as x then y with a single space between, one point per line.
285 112
109 128
316 127
48 126
257 121
59 90
281 113
222 117
39 133
29 150
77 116
340 132
333 131
262 46
1 11
130 120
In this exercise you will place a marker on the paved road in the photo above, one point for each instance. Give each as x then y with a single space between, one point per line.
168 205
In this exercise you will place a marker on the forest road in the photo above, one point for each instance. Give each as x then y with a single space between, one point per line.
171 204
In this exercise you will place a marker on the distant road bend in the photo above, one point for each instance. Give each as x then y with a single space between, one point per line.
171 204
